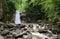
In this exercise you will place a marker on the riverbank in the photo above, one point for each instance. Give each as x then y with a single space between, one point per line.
28 31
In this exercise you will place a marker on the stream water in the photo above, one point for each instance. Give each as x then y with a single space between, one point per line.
42 35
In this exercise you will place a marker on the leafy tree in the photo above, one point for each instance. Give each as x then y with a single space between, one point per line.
8 10
36 9
20 5
50 8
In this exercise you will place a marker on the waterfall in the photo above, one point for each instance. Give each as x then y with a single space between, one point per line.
17 18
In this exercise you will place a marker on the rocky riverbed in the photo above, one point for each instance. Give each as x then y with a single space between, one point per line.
26 31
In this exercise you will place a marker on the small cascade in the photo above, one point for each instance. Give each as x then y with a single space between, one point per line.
43 35
17 18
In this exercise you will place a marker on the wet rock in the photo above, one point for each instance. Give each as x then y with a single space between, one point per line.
19 38
36 37
22 26
1 23
13 33
6 37
9 35
24 31
30 26
42 32
58 36
28 36
1 37
11 25
39 21
58 23
46 38
55 36
1 28
49 35
4 32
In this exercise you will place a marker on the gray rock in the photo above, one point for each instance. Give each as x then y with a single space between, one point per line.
27 37
5 32
1 23
1 37
19 38
59 36
10 35
11 25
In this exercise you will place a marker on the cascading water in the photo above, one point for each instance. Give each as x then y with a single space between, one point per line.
17 18
41 35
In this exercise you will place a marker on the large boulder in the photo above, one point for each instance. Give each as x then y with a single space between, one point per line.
4 32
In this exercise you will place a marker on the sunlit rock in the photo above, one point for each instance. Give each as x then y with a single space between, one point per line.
1 37
36 37
27 36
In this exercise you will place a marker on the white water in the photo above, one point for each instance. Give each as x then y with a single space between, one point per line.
43 36
35 27
17 18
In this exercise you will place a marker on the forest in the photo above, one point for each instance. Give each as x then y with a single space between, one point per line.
45 10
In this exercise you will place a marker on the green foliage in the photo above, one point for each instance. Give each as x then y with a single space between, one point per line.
9 7
50 8
8 10
35 13
36 9
20 5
